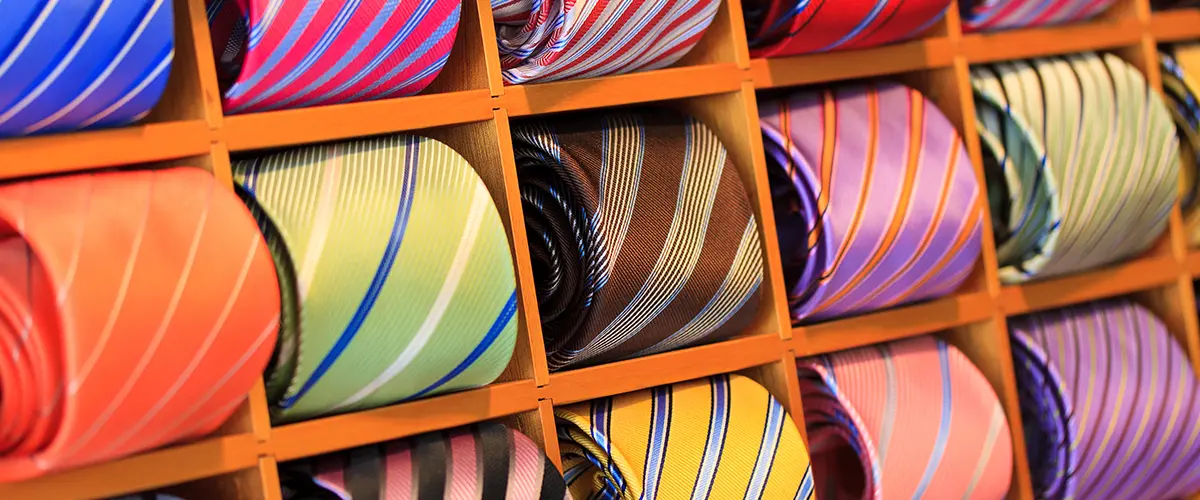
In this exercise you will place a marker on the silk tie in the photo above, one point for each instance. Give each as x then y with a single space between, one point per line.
720 437
902 222
641 234
919 420
790 27
1109 403
542 41
274 54
1082 162
138 307
1181 89
396 273
484 461
996 15
82 64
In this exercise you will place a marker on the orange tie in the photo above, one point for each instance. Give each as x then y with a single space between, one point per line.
136 309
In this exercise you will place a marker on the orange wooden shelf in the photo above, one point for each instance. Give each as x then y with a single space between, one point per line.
40 155
662 369
326 123
1175 25
340 432
1118 279
1193 263
633 88
1038 42
833 66
154 469
892 324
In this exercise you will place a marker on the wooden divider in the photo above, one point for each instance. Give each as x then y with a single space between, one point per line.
469 108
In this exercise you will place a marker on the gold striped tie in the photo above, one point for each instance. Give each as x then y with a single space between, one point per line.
717 438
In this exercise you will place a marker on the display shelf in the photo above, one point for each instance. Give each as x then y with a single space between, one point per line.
470 108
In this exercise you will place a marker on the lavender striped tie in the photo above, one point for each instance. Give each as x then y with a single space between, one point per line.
1109 403
877 207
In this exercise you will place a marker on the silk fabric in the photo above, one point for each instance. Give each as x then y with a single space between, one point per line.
790 27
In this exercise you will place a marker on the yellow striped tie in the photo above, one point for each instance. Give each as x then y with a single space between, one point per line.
717 438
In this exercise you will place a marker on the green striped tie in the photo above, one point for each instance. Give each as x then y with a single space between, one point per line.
397 273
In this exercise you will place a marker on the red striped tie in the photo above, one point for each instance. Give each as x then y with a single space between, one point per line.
790 27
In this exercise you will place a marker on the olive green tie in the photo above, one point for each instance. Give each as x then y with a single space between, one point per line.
396 270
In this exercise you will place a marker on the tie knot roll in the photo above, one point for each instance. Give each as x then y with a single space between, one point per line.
720 437
82 64
919 420
791 27
542 41
486 460
997 15
275 54
137 309
876 203
1109 403
1081 161
641 234
395 268
1182 90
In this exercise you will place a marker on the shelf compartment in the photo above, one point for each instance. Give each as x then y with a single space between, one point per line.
619 90
892 324
1119 279
74 151
852 64
1039 42
1175 25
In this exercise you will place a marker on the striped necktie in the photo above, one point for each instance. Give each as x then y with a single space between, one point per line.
900 224
996 15
484 461
274 54
720 437
630 258
138 307
789 27
1111 405
1081 161
919 420
397 277
542 41
82 64
1182 90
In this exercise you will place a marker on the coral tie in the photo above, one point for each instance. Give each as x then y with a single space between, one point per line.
790 27
484 461
720 437
641 234
397 275
293 54
1081 161
1111 405
138 308
875 200
543 41
919 420
82 64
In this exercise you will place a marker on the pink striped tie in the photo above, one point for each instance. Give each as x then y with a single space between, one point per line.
917 416
294 54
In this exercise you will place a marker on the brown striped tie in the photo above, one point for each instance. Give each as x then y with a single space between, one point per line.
629 255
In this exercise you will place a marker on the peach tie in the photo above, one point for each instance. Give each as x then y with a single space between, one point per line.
137 309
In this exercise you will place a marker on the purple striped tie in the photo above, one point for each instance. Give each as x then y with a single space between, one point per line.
875 200
1109 403
294 54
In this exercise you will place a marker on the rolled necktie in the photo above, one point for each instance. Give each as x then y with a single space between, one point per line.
395 270
295 54
1081 161
919 420
484 461
138 307
542 41
791 27
899 222
1182 90
82 64
720 437
640 231
997 15
1109 403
